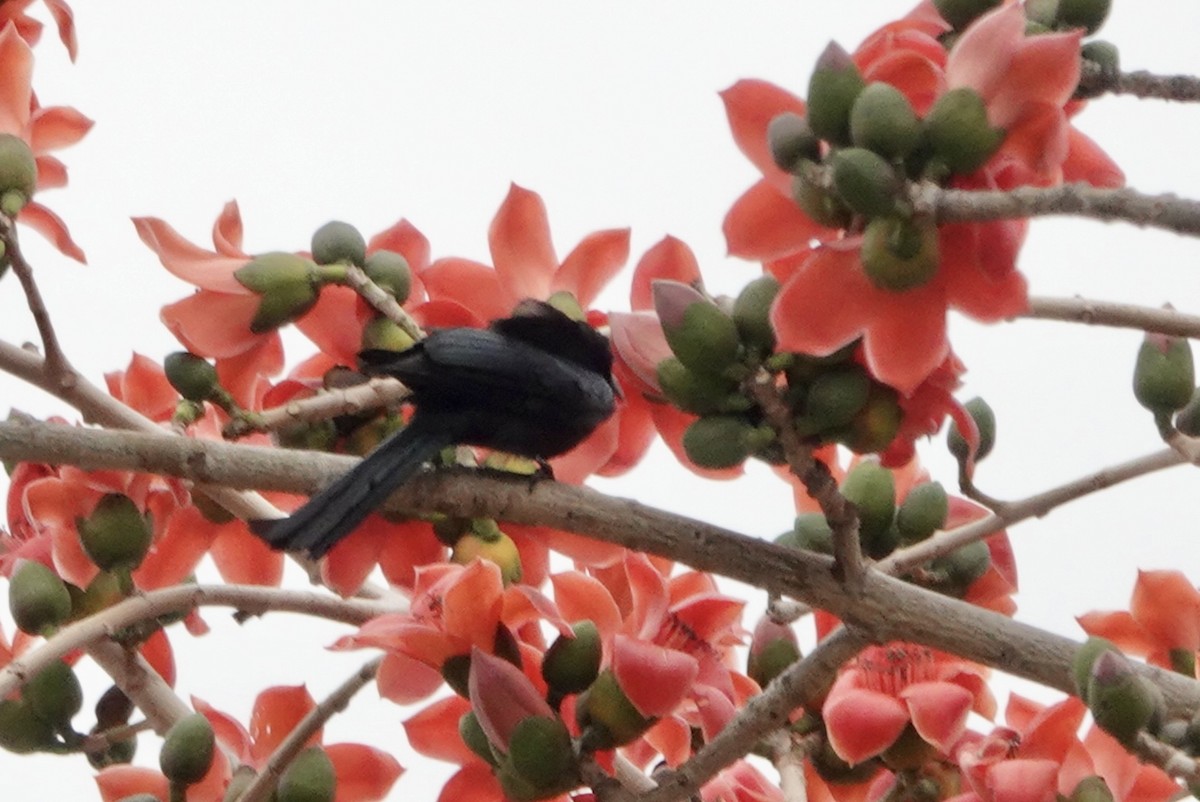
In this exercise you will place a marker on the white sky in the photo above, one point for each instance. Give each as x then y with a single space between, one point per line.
373 111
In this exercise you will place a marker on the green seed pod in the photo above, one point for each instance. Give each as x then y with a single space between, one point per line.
866 182
752 313
985 422
22 731
187 750
832 90
1085 656
791 141
698 393
835 396
922 512
18 172
882 120
308 778
116 536
540 753
718 441
193 377
287 284
338 242
874 427
958 131
381 334
955 572
38 599
961 13
391 272
1091 789
900 254
1122 702
54 695
475 738
871 488
609 715
810 531
571 664
1164 376
1087 14
820 204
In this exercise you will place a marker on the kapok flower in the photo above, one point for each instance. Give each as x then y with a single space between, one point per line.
890 687
30 29
1162 623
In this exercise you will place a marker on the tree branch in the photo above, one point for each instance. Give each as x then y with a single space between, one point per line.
1103 313
1094 81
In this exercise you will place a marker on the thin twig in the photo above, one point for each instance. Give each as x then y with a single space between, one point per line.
1174 762
262 786
56 368
383 302
99 741
1095 81
376 393
136 678
1103 313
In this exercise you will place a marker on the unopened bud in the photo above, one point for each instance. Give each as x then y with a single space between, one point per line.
1085 656
752 313
961 13
773 648
382 334
338 242
193 377
540 753
391 272
723 441
287 284
698 393
116 536
308 778
954 573
572 663
38 598
792 141
811 532
700 333
871 488
54 695
1165 374
883 121
1091 789
876 424
1087 14
21 730
832 90
18 173
985 422
607 716
922 512
1122 702
187 750
821 204
900 254
866 182
958 131
835 396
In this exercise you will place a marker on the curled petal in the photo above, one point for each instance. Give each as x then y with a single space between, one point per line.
15 92
54 127
472 285
227 231
204 269
52 227
981 56
862 723
939 711
433 732
655 679
1167 606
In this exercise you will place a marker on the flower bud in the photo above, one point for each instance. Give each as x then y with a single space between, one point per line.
500 550
698 393
871 488
985 423
187 750
1165 374
874 427
1104 55
819 203
54 695
832 90
22 731
700 334
571 664
1086 14
752 313
1122 702
811 532
391 272
835 396
899 254
958 131
1091 789
866 182
607 716
475 738
723 441
791 141
308 778
193 377
116 536
961 13
338 242
382 334
1085 656
18 173
540 754
882 120
772 649
954 573
287 284
37 598
922 512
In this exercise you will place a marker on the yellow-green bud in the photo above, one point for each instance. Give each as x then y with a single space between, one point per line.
391 272
116 536
54 695
832 90
1091 789
338 242
900 254
871 488
752 313
18 173
38 598
1103 54
382 334
792 141
958 131
608 715
193 377
772 649
874 427
187 750
922 512
287 284
308 778
835 396
501 551
955 572
961 13
571 664
1165 374
882 120
866 182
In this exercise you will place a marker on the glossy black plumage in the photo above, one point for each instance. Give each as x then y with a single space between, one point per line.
535 384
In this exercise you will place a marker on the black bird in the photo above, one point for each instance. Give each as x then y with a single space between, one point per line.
534 384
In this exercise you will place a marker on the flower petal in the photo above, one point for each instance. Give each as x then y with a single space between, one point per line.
862 723
750 105
939 711
592 264
764 224
519 238
363 774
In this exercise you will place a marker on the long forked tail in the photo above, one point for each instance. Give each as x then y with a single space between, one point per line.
333 513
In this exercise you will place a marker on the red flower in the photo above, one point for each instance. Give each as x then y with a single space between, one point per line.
30 29
1162 624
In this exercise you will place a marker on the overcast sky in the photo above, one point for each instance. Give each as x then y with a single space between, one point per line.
373 111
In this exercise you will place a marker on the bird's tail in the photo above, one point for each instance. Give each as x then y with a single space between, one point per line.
334 512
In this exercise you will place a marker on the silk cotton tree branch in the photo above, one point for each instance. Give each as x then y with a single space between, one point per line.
1095 81
1117 315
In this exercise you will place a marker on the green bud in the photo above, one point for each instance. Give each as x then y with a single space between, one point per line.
540 753
22 731
308 778
54 695
1165 374
900 254
922 512
819 203
961 13
874 427
382 334
772 649
835 396
571 664
752 313
1122 702
985 422
187 750
1091 789
698 393
1043 12
832 90
1085 656
958 131
954 573
810 531
338 242
866 182
1103 54
391 272
117 753
871 488
287 284
193 377
700 333
38 598
116 536
18 173
475 738
1086 14
882 120
606 711
792 141
721 441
